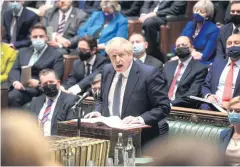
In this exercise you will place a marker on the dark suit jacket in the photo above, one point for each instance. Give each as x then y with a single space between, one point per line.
165 8
62 111
152 61
49 59
145 96
131 8
76 18
211 82
25 22
91 6
225 32
190 83
78 72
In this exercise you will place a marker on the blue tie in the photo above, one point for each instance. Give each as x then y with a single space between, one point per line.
116 98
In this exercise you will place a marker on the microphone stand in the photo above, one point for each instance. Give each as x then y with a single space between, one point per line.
78 110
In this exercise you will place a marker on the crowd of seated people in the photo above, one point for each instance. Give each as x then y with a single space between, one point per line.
206 63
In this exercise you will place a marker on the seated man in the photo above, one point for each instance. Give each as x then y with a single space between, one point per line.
131 9
17 22
86 68
54 105
64 21
139 51
39 56
89 6
135 92
227 30
184 76
153 15
223 80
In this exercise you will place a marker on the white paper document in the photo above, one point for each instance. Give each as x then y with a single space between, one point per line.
26 74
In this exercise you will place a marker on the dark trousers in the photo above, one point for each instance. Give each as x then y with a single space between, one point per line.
151 27
209 107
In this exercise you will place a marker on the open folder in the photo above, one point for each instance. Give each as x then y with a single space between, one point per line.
216 105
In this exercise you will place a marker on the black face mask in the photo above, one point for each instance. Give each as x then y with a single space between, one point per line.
183 52
84 56
50 90
234 52
235 19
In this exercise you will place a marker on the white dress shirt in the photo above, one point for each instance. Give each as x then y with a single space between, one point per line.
47 124
234 29
156 8
185 64
223 77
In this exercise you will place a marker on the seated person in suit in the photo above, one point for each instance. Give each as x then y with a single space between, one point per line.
8 56
203 32
17 22
220 12
135 92
139 51
64 20
184 76
89 6
131 8
39 56
232 139
106 24
153 15
223 79
53 105
227 30
84 70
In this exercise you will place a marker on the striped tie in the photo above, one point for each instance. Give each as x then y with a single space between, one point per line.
47 112
61 25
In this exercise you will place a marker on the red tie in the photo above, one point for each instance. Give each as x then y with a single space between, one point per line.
171 90
227 93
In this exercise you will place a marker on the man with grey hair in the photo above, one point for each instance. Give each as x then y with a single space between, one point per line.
135 92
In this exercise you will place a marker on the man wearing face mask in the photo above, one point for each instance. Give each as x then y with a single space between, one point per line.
54 105
139 51
64 20
227 30
184 76
223 80
17 22
39 56
85 69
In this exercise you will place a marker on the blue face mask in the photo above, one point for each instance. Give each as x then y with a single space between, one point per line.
198 18
234 118
138 49
233 52
15 6
108 17
38 44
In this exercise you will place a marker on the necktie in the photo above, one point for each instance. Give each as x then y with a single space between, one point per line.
88 69
171 90
235 31
227 93
61 24
34 58
47 111
117 96
14 29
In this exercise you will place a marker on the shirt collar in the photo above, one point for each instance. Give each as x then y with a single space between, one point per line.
41 51
19 13
126 73
143 58
235 27
237 63
91 61
186 62
66 13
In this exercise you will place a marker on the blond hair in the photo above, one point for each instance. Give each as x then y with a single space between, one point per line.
110 3
233 101
207 5
119 43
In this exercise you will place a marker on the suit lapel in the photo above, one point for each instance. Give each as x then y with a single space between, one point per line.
96 63
131 83
20 20
187 71
58 107
171 70
69 20
108 85
148 60
44 57
55 20
28 56
39 104
236 85
220 67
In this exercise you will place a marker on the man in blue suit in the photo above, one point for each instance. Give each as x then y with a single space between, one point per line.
135 92
223 80
18 22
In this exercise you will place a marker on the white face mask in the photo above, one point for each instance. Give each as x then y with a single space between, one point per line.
138 49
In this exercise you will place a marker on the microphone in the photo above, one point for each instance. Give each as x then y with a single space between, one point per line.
84 96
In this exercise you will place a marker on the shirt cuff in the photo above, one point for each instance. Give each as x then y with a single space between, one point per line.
75 89
141 120
206 96
60 45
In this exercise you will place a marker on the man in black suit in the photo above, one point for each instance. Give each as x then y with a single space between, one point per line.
135 92
153 15
17 22
89 6
184 76
84 69
131 8
227 30
39 56
139 51
53 105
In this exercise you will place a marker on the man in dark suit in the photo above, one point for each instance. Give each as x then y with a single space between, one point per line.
184 76
39 56
64 20
227 30
17 22
54 105
133 91
223 80
131 8
139 51
84 69
89 6
153 15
